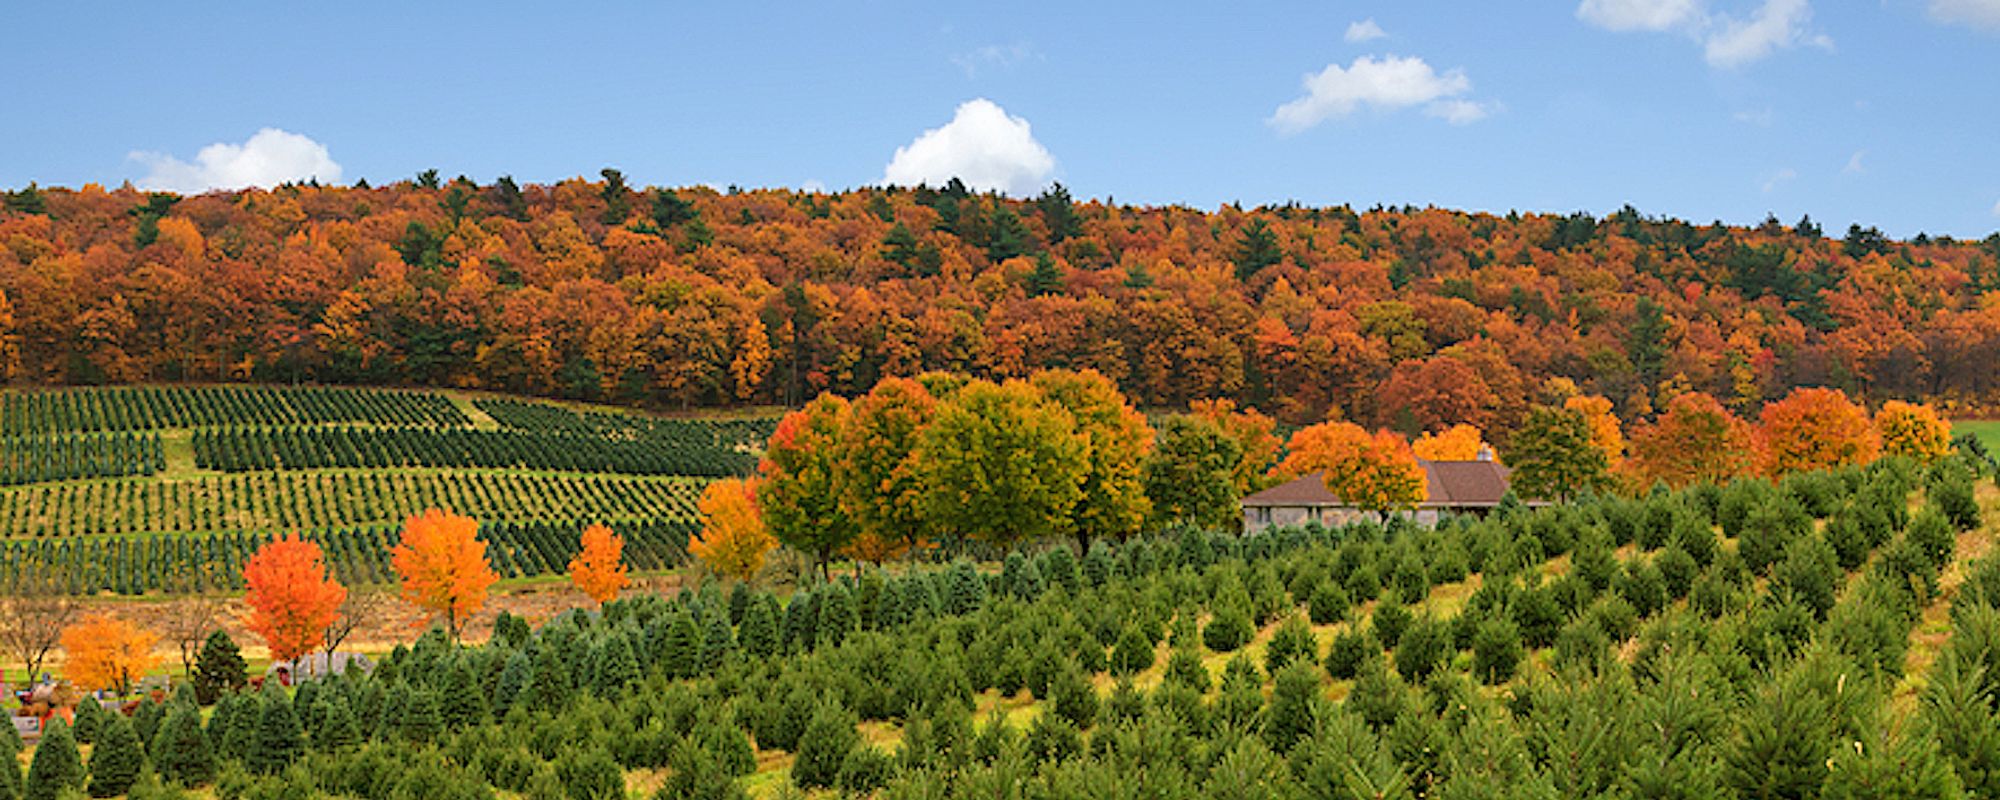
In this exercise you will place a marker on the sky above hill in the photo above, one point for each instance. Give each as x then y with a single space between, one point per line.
1885 113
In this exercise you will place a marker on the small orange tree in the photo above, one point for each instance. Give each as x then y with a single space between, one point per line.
1696 440
1376 472
104 652
599 569
292 599
1459 442
733 540
1912 430
1814 428
443 565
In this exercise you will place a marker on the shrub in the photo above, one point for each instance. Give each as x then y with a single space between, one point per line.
864 770
1422 648
1329 603
589 773
1229 629
1496 651
1292 641
1390 621
1134 653
1349 649
829 736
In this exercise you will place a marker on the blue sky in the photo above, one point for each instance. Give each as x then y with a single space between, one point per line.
1886 113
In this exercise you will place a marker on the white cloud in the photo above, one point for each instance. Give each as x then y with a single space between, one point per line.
1996 208
1389 84
983 145
1779 178
1761 118
993 56
1365 31
1854 165
1726 40
1975 13
813 185
1641 15
270 157
1777 24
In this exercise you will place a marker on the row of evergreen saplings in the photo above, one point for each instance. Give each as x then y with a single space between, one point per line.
255 449
1741 691
357 556
68 457
90 410
726 434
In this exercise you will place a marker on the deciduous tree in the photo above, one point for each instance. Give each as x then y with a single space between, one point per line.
105 652
1116 440
1814 428
1191 474
291 597
880 489
1459 442
1554 456
800 491
1001 464
733 540
1695 441
599 567
1912 431
1605 431
1255 436
442 562
1374 472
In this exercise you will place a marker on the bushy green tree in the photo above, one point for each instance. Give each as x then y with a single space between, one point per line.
117 758
1229 628
1292 641
695 774
589 773
220 668
1329 603
1072 697
1295 694
1809 575
1349 648
1496 651
181 751
828 737
279 740
1422 649
1191 474
56 767
423 717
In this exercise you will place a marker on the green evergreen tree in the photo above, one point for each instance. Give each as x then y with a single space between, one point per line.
1890 768
233 728
279 741
219 668
1422 649
616 666
181 750
1329 603
823 746
968 590
56 767
512 684
1133 653
717 640
117 758
1292 641
464 702
680 650
1229 628
550 689
10 763
1349 648
338 730
1809 575
695 774
1958 713
423 717
1046 278
1496 651
1072 696
1295 693
759 630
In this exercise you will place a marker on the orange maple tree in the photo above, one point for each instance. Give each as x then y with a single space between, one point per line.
733 539
1814 428
443 565
1459 442
1375 472
1912 430
1604 429
599 568
105 652
291 597
1696 440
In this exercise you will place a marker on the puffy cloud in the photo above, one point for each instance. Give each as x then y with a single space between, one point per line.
982 145
1726 41
270 157
1778 23
1365 31
1641 15
1975 13
1389 84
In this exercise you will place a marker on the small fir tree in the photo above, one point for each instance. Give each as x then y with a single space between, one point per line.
117 758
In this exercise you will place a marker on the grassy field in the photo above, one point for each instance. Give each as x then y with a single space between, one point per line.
1987 431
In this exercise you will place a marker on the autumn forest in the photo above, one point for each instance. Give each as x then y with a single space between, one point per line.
1414 319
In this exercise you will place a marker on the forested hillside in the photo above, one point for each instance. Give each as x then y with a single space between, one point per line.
681 298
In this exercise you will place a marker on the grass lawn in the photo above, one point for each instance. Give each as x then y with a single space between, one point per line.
1988 431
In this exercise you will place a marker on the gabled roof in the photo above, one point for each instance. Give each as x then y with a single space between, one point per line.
1447 484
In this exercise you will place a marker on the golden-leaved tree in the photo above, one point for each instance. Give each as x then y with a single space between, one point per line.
733 540
291 597
599 566
1373 472
442 562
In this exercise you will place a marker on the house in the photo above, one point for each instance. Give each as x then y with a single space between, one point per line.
1456 487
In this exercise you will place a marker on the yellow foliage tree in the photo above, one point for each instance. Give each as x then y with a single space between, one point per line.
1459 442
1912 430
733 540
103 652
1605 432
1375 472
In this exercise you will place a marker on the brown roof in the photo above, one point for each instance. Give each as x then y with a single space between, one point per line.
1447 484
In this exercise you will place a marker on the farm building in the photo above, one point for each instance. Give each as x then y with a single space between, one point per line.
314 666
1456 487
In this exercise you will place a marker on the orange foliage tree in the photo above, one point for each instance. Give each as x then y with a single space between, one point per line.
443 565
104 652
599 568
1375 472
1814 428
1914 431
1696 440
1459 442
733 540
880 490
1605 433
291 597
